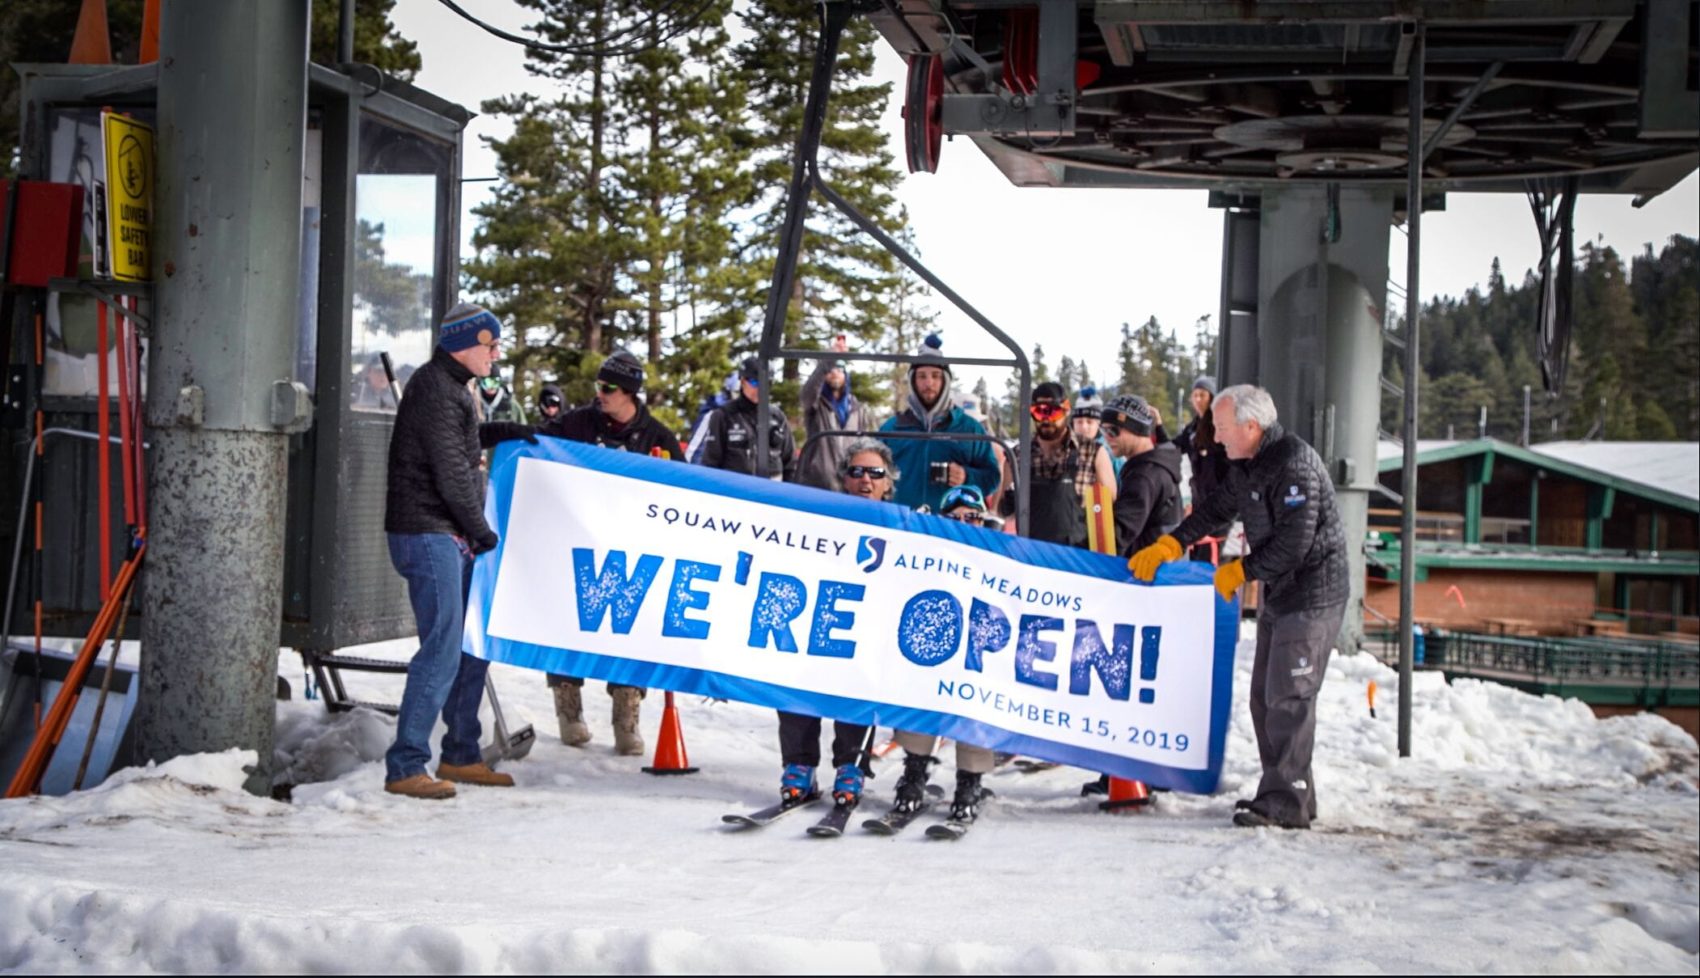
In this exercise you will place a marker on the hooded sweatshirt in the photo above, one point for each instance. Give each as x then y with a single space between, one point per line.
1148 500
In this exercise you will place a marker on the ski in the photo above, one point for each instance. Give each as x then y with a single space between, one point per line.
757 819
894 821
952 828
831 826
949 829
1027 765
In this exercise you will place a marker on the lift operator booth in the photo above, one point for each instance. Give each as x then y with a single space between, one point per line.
380 206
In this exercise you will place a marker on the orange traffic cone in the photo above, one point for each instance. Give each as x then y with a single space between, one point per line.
150 33
92 43
1126 793
670 755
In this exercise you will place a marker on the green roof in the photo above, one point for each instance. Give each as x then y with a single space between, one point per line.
1435 452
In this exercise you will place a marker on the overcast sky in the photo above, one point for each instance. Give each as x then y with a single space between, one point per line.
1064 268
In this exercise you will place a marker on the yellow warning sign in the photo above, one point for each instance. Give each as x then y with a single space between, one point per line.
129 186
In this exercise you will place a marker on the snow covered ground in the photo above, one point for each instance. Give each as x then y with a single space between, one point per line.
1524 837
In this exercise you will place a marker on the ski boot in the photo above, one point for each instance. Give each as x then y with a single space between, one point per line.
797 783
965 807
912 786
847 786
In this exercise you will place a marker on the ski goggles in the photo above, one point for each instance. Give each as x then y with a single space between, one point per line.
964 495
490 383
551 400
1049 411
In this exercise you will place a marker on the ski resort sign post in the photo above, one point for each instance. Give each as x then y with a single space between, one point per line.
630 569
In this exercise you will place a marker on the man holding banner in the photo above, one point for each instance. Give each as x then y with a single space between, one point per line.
1280 488
617 419
434 519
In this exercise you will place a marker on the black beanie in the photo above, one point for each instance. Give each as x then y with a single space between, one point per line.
623 370
1131 413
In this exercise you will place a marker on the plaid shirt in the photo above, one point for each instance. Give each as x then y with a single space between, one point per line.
1074 461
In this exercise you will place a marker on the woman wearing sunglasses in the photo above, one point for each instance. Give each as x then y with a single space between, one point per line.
866 470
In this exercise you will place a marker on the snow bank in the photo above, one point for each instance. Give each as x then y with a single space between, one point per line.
1525 836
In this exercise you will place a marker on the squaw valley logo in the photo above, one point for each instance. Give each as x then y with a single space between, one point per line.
870 553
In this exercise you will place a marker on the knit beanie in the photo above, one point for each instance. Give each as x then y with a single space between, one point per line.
1205 383
1088 404
1130 413
623 370
930 355
466 326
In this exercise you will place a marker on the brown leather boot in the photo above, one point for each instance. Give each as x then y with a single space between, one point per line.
476 773
569 711
627 740
421 786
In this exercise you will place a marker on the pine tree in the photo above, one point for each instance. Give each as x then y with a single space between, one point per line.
844 279
612 225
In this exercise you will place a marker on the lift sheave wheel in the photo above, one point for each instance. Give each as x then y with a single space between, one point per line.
923 125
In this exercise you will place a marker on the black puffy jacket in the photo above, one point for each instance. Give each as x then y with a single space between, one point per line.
730 441
643 434
435 484
1208 460
1148 498
1285 498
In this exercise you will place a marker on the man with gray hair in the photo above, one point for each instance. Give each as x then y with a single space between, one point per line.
1278 486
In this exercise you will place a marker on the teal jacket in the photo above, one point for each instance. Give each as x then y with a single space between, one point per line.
914 457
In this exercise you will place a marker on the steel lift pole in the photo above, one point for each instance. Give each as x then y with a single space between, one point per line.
1416 153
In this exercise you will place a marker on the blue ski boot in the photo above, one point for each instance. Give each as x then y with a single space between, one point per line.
847 786
797 783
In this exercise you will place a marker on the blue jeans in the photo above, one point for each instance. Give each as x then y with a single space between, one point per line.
440 678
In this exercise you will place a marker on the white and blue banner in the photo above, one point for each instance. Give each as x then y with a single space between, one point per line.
636 570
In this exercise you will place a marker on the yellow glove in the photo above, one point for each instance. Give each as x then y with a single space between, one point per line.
1229 577
1144 564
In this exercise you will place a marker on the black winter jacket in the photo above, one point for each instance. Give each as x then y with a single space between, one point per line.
1285 498
1209 462
730 441
435 485
1148 498
643 434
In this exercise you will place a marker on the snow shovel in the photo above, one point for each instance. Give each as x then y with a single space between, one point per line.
506 746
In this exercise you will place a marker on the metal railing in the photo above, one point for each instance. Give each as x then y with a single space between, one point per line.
1591 661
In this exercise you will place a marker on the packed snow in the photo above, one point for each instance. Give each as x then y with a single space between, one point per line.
1525 836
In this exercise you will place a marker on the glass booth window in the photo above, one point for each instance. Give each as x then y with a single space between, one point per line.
397 207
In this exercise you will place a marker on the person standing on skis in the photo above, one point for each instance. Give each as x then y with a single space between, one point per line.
866 470
964 504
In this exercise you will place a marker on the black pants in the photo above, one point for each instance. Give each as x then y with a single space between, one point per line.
1292 656
799 740
556 679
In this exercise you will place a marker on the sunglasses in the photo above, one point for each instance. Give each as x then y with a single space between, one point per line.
1110 430
551 400
606 387
966 515
865 472
1048 412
